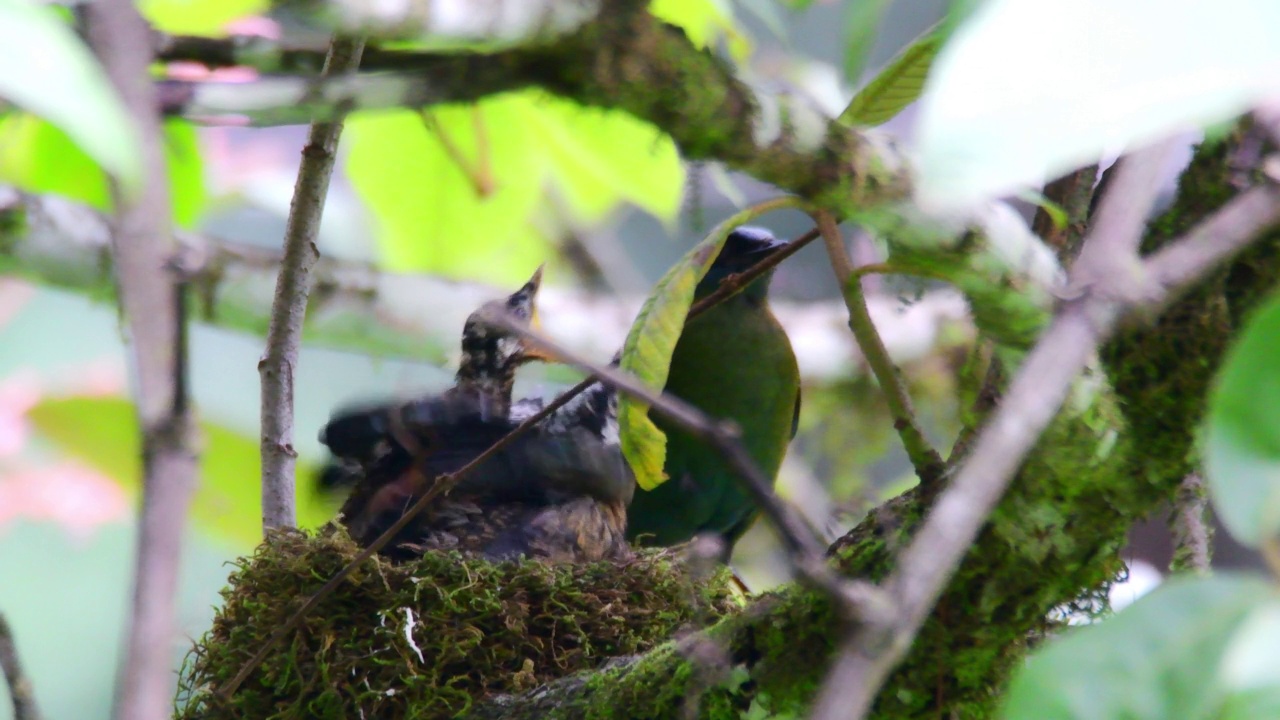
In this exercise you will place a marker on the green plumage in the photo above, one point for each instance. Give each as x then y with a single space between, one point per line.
736 363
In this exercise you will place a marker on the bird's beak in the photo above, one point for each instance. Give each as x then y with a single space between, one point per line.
530 350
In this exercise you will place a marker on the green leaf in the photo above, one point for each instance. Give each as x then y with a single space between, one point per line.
103 432
198 17
1025 91
898 85
46 70
430 217
1242 448
40 158
1159 658
862 23
539 150
652 340
599 158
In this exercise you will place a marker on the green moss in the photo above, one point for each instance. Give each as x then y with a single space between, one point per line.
478 629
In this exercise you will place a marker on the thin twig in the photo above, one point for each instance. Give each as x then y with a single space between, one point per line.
289 308
805 550
1191 534
441 485
444 483
144 250
476 173
924 458
1109 256
21 692
734 283
1034 397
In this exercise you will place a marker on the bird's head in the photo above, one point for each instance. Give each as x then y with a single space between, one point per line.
744 247
492 351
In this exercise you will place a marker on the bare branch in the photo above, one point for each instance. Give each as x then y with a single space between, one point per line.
1191 533
803 547
926 460
21 692
354 306
439 486
1211 242
1034 397
289 309
1110 253
151 298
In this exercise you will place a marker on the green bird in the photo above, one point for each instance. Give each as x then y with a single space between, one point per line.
734 362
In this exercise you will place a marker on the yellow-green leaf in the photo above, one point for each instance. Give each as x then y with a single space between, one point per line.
429 215
46 70
531 148
651 341
103 432
198 17
40 158
897 86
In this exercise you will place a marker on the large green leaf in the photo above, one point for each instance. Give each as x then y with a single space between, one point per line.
652 340
103 432
1024 91
197 17
431 216
39 157
898 85
1169 655
46 70
1242 449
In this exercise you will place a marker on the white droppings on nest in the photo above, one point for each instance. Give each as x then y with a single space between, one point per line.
408 634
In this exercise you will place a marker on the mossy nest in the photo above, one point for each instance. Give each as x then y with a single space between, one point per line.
428 638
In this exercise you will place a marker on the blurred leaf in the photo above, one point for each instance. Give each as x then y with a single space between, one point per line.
1158 658
1016 99
40 158
705 22
535 145
1242 449
652 340
429 215
46 70
898 85
198 17
103 432
600 158
862 24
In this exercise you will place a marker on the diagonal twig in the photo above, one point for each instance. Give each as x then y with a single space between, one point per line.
21 692
924 458
1034 397
444 483
289 308
804 549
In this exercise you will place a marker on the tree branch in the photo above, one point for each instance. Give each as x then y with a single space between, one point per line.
1191 534
289 309
358 308
145 253
926 461
625 59
1037 391
21 692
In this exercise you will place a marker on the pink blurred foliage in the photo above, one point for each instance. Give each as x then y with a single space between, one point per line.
14 294
75 497
19 393
65 492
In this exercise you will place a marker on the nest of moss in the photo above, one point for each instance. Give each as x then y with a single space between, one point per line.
428 638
